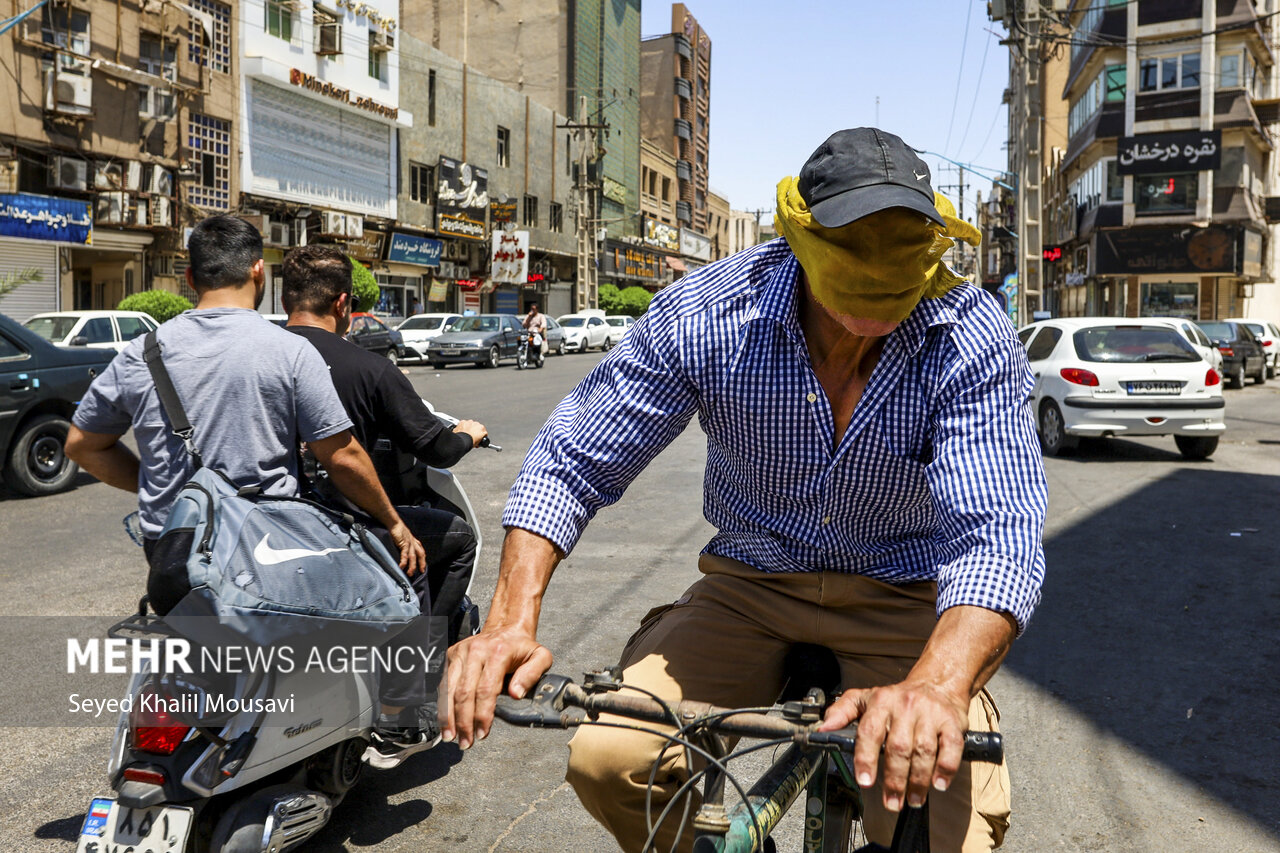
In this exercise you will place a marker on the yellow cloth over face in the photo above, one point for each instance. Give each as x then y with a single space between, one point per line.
877 267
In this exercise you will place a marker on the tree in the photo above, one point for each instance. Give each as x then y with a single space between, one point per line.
610 298
635 300
364 286
160 304
10 282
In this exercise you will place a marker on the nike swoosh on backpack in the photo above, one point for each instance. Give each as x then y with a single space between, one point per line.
268 556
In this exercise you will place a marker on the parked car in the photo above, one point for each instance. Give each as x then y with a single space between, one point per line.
40 387
482 339
1105 376
369 332
555 337
420 328
1195 336
585 330
94 329
280 320
1242 353
620 321
1269 334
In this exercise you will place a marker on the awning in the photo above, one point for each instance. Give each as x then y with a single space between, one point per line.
676 264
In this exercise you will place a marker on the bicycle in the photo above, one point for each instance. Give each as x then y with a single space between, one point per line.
818 763
528 352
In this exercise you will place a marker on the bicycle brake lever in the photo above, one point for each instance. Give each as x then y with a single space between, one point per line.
541 709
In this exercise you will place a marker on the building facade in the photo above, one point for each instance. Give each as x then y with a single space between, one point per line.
1162 190
744 230
116 134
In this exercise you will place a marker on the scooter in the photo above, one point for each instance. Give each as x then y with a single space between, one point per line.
529 350
259 770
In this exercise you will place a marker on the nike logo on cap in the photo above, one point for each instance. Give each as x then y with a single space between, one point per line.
268 556
919 177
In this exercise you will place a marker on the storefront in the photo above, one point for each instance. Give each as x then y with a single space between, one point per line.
412 265
32 230
623 265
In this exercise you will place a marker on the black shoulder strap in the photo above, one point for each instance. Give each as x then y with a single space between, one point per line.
169 396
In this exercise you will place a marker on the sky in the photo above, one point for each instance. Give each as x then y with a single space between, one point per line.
786 75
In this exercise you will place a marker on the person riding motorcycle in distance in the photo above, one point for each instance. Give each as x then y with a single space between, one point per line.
535 321
382 403
881 493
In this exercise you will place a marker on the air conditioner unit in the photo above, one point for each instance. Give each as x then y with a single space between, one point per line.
381 42
8 176
111 208
453 251
161 212
68 93
68 173
161 182
140 212
328 37
446 269
133 176
277 234
333 224
355 226
108 176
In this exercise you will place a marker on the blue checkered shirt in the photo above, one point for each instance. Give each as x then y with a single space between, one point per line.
937 477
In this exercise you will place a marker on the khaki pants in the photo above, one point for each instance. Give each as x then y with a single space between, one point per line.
724 642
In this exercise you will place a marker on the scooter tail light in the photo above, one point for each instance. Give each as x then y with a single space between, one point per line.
151 727
1211 378
1080 376
151 777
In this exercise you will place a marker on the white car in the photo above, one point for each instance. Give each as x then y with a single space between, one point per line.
623 322
1111 376
1268 334
93 329
587 330
1195 336
421 328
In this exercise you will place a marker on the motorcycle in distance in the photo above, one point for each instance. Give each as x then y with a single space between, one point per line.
529 350
263 778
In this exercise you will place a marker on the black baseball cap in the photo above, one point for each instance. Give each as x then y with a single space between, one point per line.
861 171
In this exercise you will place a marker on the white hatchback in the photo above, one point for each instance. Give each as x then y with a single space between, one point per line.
421 328
1112 376
93 329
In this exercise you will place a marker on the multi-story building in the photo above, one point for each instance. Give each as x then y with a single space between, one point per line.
676 109
718 215
519 160
744 230
116 133
1168 164
558 52
658 188
320 112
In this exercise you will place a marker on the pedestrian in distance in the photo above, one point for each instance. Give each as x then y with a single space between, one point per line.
874 480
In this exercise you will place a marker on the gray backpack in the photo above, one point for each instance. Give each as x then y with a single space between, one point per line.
269 569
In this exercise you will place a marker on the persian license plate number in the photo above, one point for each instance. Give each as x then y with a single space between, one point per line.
112 828
1149 387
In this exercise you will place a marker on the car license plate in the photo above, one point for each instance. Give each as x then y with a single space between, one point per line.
454 350
1149 387
110 826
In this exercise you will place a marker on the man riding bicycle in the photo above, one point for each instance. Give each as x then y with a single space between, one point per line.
873 476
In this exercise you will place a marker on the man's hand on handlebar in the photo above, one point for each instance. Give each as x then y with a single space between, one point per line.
477 668
413 557
475 429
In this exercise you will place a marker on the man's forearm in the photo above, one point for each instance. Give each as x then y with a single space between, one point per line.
528 561
112 463
353 473
965 650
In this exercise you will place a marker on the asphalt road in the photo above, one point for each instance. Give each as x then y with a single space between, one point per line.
1139 708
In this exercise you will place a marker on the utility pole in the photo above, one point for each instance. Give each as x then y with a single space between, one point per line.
960 187
1026 136
586 289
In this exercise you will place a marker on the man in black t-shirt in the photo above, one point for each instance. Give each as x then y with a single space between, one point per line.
383 404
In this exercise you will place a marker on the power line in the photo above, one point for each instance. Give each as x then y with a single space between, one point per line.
964 44
976 89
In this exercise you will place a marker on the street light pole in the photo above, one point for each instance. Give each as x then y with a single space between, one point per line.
586 290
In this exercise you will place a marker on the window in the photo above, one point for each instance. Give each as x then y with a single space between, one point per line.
1093 182
666 189
210 142
211 49
701 198
531 210
98 331
1090 21
1228 70
1162 194
1043 345
131 327
67 28
431 98
1115 182
1114 75
158 57
1169 72
328 31
279 19
422 180
377 58
10 350
1168 299
557 218
1107 86
504 147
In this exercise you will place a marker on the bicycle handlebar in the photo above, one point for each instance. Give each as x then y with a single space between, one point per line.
555 703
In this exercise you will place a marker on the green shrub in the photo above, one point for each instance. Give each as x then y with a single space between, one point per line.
609 298
160 304
364 286
635 301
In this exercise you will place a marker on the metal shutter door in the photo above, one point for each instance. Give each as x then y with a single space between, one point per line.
37 296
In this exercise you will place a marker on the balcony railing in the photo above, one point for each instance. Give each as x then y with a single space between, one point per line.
684 88
684 129
683 47
684 170
684 211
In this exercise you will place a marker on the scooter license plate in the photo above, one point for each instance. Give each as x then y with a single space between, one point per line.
112 828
